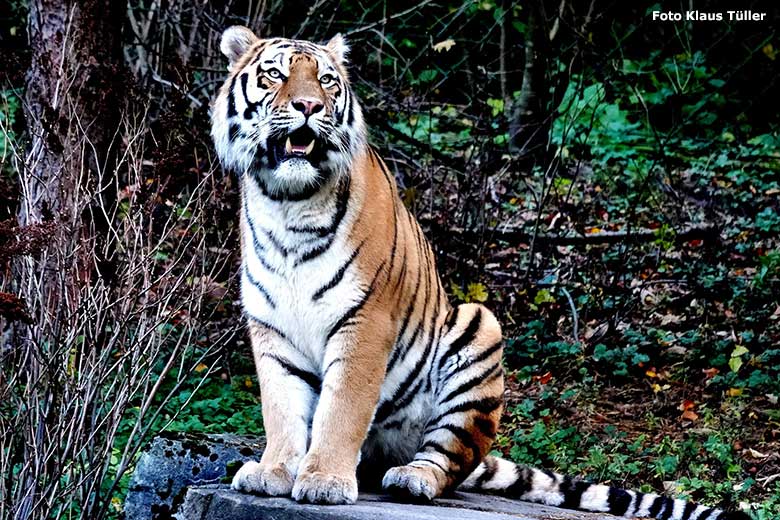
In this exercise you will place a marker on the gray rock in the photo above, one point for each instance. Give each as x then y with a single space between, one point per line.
174 461
222 503
185 477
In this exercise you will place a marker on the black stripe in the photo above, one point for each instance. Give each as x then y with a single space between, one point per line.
394 246
639 497
233 131
486 376
352 311
438 333
407 315
668 509
491 466
341 210
401 351
259 248
347 103
464 339
232 112
485 406
275 242
310 378
452 317
317 230
426 301
465 438
351 109
487 427
338 276
483 355
409 396
433 463
619 501
250 107
706 514
259 287
552 476
572 489
410 393
331 365
401 275
656 506
314 253
457 458
269 327
690 507
522 483
386 408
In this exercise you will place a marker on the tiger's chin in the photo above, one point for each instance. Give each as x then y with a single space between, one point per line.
294 178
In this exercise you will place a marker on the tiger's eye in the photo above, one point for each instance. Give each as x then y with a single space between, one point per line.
327 79
273 73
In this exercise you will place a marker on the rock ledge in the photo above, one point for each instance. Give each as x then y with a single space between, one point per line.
219 502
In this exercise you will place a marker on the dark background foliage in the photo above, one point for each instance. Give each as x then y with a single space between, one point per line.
607 183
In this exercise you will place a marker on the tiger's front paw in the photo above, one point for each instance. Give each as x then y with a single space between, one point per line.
253 477
322 488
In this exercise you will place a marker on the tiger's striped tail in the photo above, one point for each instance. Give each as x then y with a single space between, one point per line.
510 480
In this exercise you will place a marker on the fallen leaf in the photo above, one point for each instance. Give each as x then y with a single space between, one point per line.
544 378
687 404
445 45
709 373
689 415
755 454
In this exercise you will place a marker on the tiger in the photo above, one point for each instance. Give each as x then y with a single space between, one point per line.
366 371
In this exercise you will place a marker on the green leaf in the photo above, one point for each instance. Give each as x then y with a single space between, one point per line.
477 292
543 296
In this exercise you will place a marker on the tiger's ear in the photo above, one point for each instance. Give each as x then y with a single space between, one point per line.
337 47
236 41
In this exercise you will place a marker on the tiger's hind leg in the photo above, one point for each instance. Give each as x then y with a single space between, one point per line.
468 379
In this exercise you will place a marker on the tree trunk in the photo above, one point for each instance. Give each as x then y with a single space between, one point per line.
73 103
529 122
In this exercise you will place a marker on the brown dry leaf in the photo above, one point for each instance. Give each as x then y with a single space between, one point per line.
709 373
687 404
754 454
689 415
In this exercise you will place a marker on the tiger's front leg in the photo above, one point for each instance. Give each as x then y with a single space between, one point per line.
354 363
288 390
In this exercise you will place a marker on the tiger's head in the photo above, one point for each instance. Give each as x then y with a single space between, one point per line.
286 115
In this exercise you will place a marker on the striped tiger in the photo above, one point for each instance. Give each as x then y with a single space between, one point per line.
365 369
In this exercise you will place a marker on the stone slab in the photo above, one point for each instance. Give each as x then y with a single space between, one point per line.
219 502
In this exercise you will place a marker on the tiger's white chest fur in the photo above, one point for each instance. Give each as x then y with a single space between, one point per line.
290 249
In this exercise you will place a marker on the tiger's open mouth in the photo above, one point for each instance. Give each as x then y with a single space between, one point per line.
301 143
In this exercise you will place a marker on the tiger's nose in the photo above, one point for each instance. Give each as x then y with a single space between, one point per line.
307 106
